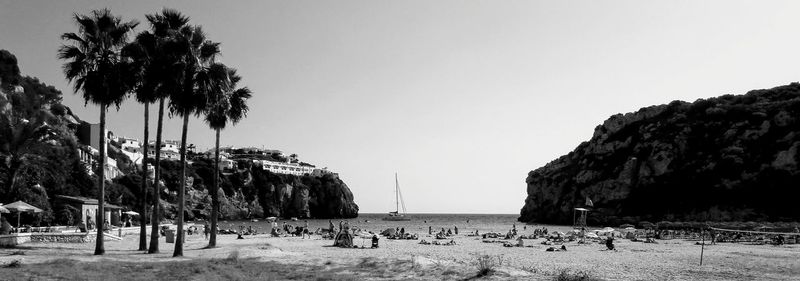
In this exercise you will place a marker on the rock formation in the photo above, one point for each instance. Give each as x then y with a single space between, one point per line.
730 158
303 197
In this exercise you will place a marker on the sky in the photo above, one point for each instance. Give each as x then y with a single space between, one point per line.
460 98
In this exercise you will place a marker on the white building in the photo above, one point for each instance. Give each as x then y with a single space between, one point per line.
126 142
226 164
169 150
166 145
285 168
88 156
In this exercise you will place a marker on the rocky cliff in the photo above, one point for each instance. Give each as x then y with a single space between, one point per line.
256 193
730 158
303 197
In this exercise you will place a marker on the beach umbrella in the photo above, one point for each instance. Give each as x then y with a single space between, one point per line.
21 207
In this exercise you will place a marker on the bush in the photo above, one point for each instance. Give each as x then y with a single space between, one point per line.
567 275
486 264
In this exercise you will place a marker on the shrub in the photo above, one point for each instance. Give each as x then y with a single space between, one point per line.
486 265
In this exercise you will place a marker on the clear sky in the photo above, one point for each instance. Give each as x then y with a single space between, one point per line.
461 98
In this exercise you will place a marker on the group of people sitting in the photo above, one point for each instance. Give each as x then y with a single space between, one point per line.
442 234
291 230
402 235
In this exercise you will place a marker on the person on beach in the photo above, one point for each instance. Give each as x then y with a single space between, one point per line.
430 230
610 244
305 231
713 237
81 227
456 229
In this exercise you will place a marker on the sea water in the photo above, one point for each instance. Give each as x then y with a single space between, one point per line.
419 223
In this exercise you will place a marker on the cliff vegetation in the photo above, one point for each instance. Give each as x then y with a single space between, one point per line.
729 158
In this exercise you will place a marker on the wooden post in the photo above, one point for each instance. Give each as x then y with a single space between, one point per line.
702 245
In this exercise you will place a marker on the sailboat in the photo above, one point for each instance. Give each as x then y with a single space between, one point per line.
396 215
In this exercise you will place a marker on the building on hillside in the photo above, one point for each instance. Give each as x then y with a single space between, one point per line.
88 208
89 134
111 169
226 164
88 157
167 154
166 145
170 150
285 168
132 148
126 142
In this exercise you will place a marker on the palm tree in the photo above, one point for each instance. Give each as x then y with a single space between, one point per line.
143 54
223 106
157 56
95 67
201 76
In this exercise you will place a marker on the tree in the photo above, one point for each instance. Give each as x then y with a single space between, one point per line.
152 55
156 55
223 106
95 67
200 77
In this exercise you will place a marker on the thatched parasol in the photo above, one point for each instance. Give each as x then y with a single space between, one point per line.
21 207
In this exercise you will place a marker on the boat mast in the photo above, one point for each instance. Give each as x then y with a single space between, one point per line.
396 194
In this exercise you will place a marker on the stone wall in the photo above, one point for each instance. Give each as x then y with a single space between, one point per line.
15 239
63 237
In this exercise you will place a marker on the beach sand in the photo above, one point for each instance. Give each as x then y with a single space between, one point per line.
409 260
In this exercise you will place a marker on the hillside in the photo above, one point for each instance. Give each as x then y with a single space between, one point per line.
40 151
729 158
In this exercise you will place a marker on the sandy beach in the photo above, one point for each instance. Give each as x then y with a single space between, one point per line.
409 260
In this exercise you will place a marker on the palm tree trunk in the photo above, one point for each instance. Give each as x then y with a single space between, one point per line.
181 190
99 249
156 188
143 214
215 197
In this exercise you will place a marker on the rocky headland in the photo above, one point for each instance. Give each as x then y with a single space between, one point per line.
729 158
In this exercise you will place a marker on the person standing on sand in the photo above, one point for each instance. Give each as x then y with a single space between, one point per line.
305 231
456 229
